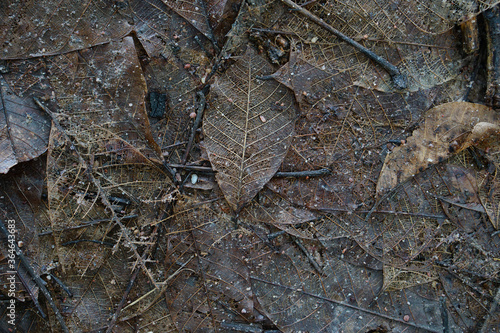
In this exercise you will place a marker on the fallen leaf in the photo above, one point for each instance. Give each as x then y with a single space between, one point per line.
36 28
243 150
446 130
24 128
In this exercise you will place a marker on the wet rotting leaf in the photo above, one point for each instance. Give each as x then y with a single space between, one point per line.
47 27
248 127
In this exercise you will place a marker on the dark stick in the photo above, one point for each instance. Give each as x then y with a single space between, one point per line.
61 284
192 168
312 173
398 79
38 280
196 124
309 256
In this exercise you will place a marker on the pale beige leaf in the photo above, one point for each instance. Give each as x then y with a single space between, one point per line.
446 129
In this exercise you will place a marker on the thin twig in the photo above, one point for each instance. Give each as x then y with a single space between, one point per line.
311 259
192 168
310 173
61 284
196 124
38 280
88 240
83 225
398 79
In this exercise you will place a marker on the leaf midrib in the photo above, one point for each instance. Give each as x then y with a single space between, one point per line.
240 177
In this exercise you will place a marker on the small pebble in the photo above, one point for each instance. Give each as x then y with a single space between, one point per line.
194 178
192 115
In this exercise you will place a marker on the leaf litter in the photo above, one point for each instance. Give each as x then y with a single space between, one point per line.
304 252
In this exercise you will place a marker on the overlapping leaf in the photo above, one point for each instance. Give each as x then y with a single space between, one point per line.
248 128
430 58
24 128
53 27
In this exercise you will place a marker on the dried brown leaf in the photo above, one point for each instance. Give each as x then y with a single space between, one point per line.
446 129
171 127
248 128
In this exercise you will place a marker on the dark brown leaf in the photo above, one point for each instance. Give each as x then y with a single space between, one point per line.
24 128
36 28
248 128
195 13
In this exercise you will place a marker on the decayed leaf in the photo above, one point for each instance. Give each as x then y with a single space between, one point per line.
35 28
489 192
248 128
207 264
101 109
447 129
346 298
24 128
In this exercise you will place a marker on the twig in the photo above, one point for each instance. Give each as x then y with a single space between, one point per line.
398 79
193 168
84 225
196 124
308 255
311 173
38 280
61 284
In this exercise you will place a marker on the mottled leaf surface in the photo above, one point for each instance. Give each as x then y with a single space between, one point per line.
446 129
248 125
